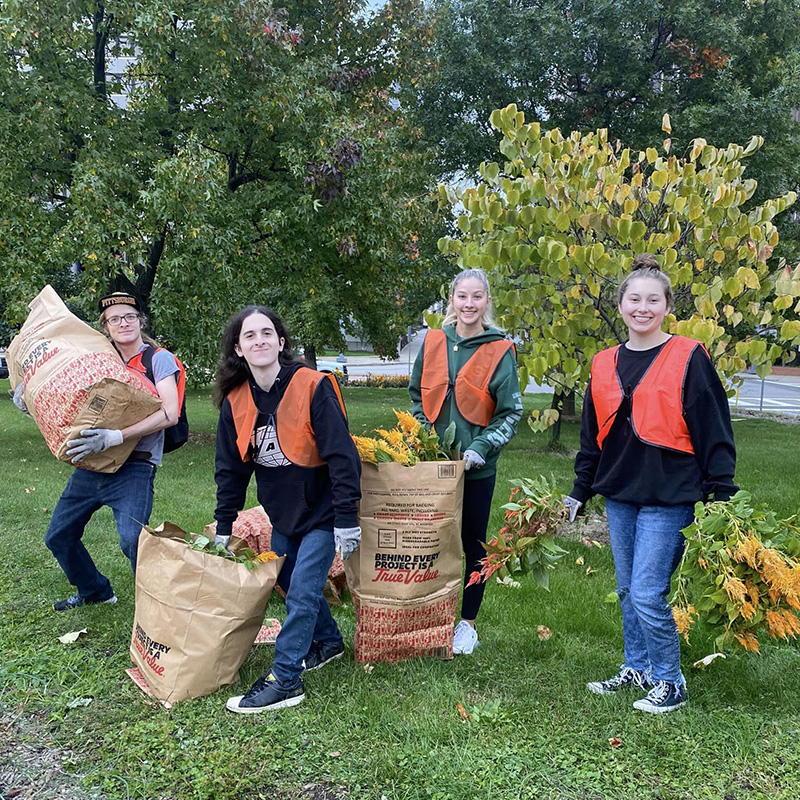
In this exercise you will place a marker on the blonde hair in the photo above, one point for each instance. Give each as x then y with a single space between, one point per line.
646 265
487 319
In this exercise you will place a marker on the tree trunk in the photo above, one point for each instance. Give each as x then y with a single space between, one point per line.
557 403
310 355
568 405
100 26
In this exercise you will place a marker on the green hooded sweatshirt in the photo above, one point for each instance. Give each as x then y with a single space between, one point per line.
504 388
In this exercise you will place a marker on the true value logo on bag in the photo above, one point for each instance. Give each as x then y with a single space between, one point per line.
39 355
150 650
405 568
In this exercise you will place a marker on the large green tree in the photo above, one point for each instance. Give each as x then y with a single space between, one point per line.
724 70
261 156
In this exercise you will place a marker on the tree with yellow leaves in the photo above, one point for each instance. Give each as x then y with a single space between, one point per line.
558 223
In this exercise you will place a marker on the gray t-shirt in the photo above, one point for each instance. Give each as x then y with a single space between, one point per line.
164 365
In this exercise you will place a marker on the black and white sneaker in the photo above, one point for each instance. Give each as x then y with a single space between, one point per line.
322 653
663 698
267 694
76 600
626 678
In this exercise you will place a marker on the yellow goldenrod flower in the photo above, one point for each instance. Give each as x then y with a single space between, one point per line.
735 588
747 640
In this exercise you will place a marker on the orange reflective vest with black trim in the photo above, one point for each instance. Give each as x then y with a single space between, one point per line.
292 417
656 401
136 366
473 400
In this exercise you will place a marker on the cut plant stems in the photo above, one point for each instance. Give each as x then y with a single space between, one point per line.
526 543
740 573
408 443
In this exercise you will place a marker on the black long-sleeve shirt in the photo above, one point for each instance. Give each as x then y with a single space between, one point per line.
630 471
297 499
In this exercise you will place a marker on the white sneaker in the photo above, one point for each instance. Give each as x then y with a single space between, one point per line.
465 639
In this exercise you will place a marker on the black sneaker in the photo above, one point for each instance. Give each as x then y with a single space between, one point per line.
322 653
76 600
663 698
626 678
267 694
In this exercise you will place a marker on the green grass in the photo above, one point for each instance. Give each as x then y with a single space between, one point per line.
394 731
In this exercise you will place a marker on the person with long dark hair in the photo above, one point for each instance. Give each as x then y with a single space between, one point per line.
656 438
467 373
286 423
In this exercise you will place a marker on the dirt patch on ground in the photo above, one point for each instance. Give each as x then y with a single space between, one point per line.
592 526
33 769
201 438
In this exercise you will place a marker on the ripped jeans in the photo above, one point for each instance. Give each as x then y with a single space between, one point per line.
647 544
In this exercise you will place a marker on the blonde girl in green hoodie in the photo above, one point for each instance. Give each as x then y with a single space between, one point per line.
470 338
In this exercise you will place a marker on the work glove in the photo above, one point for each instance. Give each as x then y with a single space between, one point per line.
573 506
18 397
223 540
95 440
347 540
473 459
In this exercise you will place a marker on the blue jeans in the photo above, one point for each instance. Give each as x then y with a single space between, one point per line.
308 617
647 544
129 494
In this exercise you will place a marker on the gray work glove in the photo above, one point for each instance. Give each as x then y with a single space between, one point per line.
473 459
573 506
18 397
347 540
223 540
95 440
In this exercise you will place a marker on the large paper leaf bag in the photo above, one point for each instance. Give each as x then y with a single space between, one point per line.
197 614
74 380
406 575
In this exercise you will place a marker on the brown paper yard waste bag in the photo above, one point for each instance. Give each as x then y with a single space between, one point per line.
406 575
197 614
253 529
74 380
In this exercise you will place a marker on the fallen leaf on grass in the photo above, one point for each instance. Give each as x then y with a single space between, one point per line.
543 632
79 701
69 638
615 742
579 561
590 570
368 668
463 713
591 542
704 662
611 597
30 489
335 754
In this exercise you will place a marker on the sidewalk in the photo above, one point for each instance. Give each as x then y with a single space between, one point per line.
409 352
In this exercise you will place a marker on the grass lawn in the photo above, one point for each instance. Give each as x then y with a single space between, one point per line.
396 732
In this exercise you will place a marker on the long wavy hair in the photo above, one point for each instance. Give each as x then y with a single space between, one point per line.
487 318
233 369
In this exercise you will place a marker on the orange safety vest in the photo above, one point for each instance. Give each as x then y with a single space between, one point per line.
473 400
656 401
292 417
136 366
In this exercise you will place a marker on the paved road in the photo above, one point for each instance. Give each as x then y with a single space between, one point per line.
779 396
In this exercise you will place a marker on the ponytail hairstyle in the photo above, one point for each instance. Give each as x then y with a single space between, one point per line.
233 369
487 318
646 265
